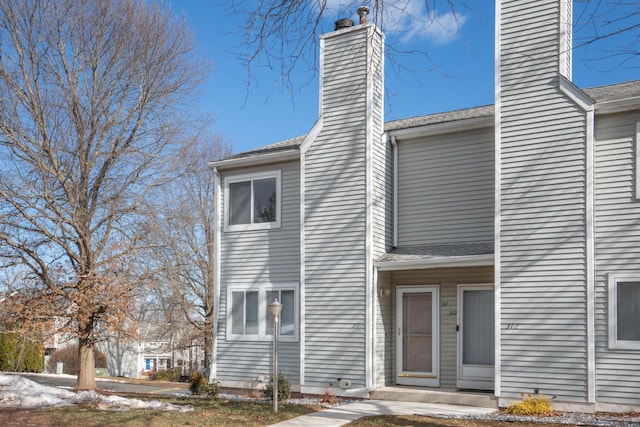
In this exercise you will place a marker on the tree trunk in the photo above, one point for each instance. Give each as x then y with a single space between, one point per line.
86 374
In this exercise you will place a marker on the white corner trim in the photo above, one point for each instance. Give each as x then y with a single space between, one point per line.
637 161
216 271
302 326
497 212
590 253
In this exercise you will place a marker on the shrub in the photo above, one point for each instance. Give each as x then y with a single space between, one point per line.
199 385
284 388
167 375
69 357
531 405
20 354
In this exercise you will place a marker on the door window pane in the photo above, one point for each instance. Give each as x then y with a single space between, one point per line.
477 327
417 326
628 311
240 203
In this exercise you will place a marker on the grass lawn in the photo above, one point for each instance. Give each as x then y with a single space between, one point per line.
206 413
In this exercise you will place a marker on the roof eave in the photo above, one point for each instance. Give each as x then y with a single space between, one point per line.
618 105
257 160
420 264
445 127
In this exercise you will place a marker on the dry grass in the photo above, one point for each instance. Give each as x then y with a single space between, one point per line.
206 412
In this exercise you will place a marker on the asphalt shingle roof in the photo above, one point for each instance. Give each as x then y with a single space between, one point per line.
599 94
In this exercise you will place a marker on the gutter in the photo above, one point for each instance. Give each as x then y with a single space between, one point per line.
258 159
418 264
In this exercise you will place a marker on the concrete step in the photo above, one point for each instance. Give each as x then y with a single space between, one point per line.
451 397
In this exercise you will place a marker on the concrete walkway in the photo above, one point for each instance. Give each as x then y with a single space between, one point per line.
344 414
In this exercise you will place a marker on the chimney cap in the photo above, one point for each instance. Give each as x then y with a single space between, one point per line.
343 23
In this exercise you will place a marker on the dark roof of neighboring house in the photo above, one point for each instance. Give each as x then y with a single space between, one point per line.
613 92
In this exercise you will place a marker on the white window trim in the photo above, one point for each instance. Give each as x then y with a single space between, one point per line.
614 343
251 177
262 308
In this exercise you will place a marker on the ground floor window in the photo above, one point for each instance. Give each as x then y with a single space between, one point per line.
249 316
624 311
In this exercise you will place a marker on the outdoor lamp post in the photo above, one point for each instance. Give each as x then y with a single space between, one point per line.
275 308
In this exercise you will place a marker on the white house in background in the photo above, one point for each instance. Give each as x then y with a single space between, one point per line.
492 248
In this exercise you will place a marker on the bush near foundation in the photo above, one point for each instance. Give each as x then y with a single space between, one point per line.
538 404
284 388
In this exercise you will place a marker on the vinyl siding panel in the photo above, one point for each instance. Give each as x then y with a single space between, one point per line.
337 197
617 248
261 257
446 188
543 206
448 280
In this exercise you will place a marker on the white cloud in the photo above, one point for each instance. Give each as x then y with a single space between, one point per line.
406 19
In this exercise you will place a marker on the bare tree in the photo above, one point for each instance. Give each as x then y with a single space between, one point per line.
184 241
284 34
90 117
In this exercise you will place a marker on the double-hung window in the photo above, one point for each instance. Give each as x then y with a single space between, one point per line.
249 317
252 202
624 311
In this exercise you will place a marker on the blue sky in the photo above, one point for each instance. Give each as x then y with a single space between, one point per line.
463 75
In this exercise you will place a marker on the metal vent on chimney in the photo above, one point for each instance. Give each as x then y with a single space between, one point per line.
343 23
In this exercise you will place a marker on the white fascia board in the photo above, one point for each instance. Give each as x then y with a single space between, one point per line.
618 106
440 128
462 261
257 160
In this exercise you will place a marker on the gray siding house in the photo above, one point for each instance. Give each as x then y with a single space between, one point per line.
494 248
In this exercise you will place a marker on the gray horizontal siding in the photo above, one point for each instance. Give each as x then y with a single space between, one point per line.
543 206
446 188
617 248
261 257
335 216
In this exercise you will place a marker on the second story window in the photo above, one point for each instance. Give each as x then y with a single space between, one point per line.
252 202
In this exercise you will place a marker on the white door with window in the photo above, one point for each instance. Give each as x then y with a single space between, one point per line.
417 336
476 337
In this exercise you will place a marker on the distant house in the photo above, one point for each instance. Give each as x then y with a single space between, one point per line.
492 248
158 348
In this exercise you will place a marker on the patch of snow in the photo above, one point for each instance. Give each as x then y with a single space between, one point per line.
19 392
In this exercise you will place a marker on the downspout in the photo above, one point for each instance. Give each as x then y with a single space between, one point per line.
394 146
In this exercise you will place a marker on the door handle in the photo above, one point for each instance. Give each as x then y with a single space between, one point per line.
399 332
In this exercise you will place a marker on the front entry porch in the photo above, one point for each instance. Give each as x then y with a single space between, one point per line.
431 395
436 335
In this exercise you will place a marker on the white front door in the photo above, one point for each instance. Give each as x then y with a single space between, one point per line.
417 336
476 337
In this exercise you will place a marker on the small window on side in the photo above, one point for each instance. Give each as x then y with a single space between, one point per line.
624 312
